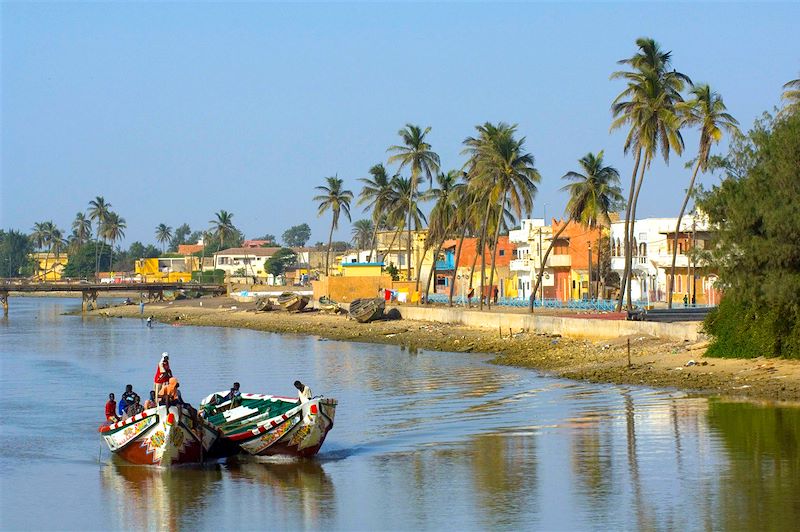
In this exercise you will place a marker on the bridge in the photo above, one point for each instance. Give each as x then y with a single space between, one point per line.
89 291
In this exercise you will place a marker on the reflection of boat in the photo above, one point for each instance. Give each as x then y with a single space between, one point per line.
162 436
366 310
268 425
292 302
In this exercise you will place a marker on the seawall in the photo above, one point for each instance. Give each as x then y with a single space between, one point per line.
575 327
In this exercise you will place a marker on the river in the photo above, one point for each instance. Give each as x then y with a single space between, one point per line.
422 440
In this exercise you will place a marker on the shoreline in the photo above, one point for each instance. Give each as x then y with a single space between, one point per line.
655 362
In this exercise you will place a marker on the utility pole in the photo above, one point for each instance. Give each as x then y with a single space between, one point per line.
541 286
694 243
590 271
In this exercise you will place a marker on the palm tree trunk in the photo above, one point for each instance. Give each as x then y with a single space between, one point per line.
419 263
374 237
629 258
671 284
599 254
408 228
433 270
544 261
472 271
483 247
494 252
328 253
455 264
624 280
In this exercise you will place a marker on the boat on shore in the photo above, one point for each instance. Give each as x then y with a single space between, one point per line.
366 310
292 301
266 425
161 436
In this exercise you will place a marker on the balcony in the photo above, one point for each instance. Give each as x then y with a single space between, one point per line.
519 235
447 264
559 261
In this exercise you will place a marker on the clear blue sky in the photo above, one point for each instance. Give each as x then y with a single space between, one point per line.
174 111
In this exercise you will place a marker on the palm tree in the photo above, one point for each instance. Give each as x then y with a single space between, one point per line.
163 235
98 212
468 219
114 229
504 172
378 195
222 226
81 229
416 153
592 195
444 214
406 207
792 96
39 238
707 111
647 106
336 199
362 232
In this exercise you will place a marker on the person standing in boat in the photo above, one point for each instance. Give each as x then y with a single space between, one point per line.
303 391
111 409
163 374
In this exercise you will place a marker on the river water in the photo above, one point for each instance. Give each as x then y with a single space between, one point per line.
422 440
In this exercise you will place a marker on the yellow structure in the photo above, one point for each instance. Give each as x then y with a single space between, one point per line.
361 269
578 283
48 267
166 269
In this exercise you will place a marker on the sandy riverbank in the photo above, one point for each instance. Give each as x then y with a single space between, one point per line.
654 362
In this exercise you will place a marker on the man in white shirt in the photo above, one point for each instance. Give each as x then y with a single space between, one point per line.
303 391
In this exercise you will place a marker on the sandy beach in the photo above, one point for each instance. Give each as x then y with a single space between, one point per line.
654 362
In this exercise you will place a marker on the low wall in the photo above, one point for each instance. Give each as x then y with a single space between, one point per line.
346 289
576 327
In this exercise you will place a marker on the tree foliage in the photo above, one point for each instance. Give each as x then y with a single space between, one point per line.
15 248
756 210
82 262
297 235
282 259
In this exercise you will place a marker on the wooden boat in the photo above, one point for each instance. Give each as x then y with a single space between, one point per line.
161 436
263 304
327 304
366 310
292 302
266 425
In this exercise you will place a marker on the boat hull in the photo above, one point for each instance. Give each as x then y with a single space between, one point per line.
366 310
160 436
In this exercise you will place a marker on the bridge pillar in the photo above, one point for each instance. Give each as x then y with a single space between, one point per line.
4 301
89 300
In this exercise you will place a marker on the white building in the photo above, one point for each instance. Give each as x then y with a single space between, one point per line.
652 258
244 262
532 239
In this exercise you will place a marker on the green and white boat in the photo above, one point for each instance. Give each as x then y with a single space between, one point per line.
266 425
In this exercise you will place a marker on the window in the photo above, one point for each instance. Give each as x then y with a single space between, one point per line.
502 252
680 248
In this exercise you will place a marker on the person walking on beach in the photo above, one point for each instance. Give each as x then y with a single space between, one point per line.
163 373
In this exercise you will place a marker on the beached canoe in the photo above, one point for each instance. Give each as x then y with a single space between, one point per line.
263 304
266 425
327 304
292 302
160 436
366 310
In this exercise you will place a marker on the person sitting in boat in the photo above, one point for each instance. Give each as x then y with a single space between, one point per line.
163 374
234 395
129 396
151 402
168 393
303 391
134 408
111 409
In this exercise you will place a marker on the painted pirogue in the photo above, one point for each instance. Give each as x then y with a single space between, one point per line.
292 302
270 425
161 436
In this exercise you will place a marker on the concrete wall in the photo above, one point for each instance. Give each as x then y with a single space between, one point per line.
346 289
576 327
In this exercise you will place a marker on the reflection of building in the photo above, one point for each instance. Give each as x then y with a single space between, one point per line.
652 258
48 266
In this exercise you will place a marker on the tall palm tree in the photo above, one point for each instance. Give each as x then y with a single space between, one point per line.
81 229
647 106
444 214
114 229
222 227
468 219
378 194
593 194
792 96
337 199
416 153
504 172
38 237
163 235
98 212
362 234
406 207
707 111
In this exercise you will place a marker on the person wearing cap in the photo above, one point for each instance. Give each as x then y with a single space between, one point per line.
303 391
163 373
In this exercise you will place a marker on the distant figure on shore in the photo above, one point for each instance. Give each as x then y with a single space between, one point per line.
163 373
141 308
111 409
685 300
150 321
496 292
303 392
151 402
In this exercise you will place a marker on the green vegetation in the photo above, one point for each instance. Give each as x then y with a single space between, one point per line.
756 210
337 200
209 276
15 248
297 235
85 260
163 235
282 259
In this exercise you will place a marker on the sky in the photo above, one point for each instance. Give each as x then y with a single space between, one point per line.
174 111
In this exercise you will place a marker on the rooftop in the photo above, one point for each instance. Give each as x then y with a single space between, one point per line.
252 252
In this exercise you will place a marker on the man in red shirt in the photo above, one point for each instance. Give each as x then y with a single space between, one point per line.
163 373
111 409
